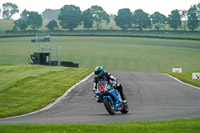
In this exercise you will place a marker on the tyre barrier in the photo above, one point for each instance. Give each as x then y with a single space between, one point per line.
64 63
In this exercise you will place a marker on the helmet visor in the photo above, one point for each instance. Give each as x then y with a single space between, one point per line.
97 72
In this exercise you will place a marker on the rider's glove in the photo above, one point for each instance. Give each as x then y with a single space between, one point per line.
115 82
115 85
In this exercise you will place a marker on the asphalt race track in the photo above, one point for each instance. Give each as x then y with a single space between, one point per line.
151 97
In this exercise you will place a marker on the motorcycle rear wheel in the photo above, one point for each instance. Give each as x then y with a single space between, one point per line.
109 105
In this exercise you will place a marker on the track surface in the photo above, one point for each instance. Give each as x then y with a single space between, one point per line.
151 96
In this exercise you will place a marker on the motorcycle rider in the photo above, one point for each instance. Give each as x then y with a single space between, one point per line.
101 75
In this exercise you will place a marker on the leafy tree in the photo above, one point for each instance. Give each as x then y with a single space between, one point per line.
174 20
184 16
99 15
141 19
9 9
158 20
0 11
52 25
87 19
69 17
34 20
193 21
22 23
123 19
198 10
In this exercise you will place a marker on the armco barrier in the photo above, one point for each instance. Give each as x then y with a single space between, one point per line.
105 33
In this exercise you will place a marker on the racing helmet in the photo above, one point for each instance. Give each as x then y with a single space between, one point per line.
98 71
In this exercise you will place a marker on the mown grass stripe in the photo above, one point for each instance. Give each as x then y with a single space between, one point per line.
17 72
34 92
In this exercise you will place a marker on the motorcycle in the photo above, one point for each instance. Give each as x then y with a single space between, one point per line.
111 98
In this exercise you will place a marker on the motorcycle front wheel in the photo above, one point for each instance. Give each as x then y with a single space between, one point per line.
109 105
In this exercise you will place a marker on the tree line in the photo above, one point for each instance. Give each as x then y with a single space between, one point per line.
70 17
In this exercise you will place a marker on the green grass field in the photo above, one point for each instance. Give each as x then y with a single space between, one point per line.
175 126
8 25
22 83
26 88
114 53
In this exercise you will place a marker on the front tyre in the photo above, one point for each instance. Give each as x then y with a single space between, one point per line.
109 105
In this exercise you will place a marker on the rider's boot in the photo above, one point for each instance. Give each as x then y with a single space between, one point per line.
123 98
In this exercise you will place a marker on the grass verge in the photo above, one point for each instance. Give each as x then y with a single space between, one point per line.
26 88
187 77
136 54
174 126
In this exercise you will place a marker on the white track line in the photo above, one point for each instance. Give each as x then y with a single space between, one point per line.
182 82
55 102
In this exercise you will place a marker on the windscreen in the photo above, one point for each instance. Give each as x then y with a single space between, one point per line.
101 84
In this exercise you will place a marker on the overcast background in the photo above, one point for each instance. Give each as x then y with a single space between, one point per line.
110 6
